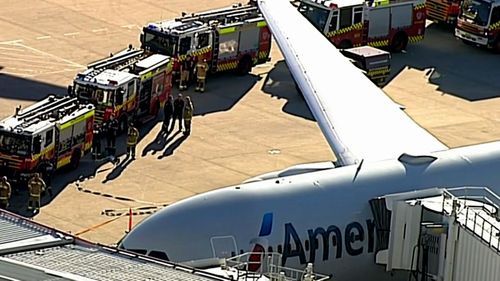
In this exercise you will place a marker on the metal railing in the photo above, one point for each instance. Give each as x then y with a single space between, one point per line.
254 265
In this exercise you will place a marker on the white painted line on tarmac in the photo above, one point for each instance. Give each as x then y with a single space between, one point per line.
99 30
11 42
43 37
71 34
11 49
54 56
129 26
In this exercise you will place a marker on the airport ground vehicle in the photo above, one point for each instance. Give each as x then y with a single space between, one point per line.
233 38
56 128
443 11
479 23
353 23
131 85
375 63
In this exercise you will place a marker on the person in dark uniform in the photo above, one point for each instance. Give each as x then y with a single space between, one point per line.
47 170
111 132
5 193
178 111
168 111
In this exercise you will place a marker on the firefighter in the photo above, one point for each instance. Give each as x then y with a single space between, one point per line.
201 74
46 169
188 115
36 186
132 137
5 192
185 68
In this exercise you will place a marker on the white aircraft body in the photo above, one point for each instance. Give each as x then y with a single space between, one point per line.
319 215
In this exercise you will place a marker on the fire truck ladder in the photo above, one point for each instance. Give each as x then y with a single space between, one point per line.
227 15
215 52
55 106
118 62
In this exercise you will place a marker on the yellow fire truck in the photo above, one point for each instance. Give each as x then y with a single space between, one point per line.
233 38
131 85
58 129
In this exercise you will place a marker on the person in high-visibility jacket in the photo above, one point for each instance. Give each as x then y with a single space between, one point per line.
185 69
36 186
132 137
188 115
5 192
201 75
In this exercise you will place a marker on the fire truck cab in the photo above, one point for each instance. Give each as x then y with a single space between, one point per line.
378 23
56 128
233 38
130 85
479 23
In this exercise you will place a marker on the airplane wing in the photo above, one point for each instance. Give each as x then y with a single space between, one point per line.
358 120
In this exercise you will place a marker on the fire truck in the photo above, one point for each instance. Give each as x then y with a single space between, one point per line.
59 129
479 23
232 38
131 85
349 23
443 11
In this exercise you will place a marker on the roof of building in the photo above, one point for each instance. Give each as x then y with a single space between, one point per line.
31 251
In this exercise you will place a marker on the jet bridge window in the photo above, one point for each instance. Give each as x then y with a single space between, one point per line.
185 45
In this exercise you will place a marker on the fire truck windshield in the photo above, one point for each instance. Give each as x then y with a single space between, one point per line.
13 144
158 42
316 15
476 11
94 94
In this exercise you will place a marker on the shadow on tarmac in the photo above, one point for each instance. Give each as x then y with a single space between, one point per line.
18 88
223 92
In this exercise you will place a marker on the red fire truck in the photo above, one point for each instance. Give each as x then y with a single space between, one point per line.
233 38
130 85
479 23
444 11
349 23
56 128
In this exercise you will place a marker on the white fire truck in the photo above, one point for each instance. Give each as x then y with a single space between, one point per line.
130 85
56 128
378 23
233 38
479 23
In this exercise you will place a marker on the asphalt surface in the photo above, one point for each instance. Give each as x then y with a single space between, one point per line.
243 126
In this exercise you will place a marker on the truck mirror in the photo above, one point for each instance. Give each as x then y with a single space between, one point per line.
37 145
70 90
141 38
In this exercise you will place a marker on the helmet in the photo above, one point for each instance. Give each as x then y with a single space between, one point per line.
4 178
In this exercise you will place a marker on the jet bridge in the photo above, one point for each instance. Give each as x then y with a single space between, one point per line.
448 234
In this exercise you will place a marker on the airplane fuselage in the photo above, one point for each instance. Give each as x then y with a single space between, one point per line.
321 217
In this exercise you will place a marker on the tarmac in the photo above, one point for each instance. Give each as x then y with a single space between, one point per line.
243 125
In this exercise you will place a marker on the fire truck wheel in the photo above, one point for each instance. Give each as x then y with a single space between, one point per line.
244 66
345 44
399 42
75 159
